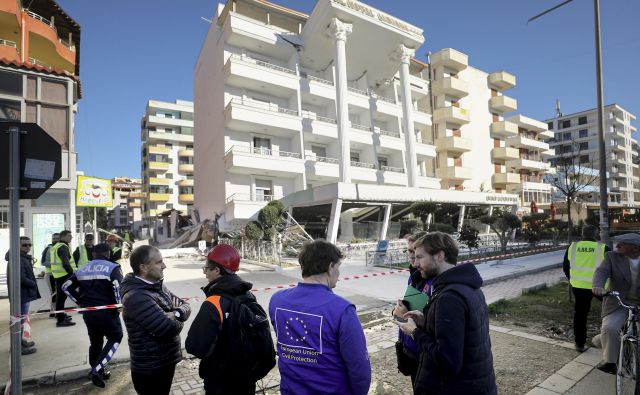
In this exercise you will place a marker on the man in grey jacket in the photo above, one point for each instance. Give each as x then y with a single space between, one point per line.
622 268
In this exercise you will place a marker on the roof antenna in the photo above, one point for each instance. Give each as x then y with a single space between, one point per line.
558 112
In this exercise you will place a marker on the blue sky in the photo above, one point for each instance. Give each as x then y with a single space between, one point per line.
133 51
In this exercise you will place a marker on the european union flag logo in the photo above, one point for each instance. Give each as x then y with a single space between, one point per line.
299 330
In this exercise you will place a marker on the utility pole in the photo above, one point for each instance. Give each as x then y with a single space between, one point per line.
604 202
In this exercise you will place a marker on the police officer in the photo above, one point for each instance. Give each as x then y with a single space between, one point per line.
580 262
62 267
116 251
48 278
98 284
83 253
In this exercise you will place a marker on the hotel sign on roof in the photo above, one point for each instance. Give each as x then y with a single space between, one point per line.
380 16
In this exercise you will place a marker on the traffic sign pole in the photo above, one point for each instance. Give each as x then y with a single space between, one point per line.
14 279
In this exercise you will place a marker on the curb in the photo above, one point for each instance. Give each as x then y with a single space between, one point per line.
511 276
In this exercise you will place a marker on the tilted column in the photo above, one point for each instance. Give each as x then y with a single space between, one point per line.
404 55
339 30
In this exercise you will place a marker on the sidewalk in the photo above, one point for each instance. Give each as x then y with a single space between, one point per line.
62 352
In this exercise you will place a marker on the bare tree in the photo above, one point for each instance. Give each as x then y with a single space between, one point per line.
575 173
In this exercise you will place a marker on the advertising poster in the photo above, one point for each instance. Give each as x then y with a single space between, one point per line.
93 192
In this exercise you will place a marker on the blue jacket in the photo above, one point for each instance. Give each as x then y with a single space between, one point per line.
95 284
320 343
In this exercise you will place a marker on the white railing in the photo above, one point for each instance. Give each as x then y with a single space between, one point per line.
360 127
322 159
263 151
362 164
246 197
8 43
358 91
393 169
262 63
387 99
263 106
388 133
320 80
312 115
41 19
37 62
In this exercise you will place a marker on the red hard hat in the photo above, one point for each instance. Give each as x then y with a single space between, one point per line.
112 238
225 256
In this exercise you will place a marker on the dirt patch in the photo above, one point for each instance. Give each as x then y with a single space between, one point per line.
547 312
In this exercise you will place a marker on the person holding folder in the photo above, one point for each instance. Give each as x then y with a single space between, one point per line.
416 297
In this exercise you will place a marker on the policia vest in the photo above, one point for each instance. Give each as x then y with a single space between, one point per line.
57 270
584 256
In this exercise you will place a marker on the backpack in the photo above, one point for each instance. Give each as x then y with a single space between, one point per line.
250 346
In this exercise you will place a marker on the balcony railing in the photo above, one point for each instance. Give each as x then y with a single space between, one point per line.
387 99
8 43
264 64
358 91
389 133
40 18
360 127
393 169
263 151
245 197
322 159
311 115
263 106
362 164
38 62
320 80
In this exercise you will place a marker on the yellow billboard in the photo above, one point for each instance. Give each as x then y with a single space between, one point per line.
93 192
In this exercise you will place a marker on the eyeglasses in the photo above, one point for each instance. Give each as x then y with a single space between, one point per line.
206 268
26 245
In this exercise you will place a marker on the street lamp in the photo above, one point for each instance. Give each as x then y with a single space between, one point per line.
604 203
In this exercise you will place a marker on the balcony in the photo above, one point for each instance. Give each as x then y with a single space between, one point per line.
528 164
503 104
452 115
8 50
548 153
45 44
527 143
321 168
505 153
454 144
246 72
185 168
393 175
450 58
187 153
244 206
451 86
500 180
159 149
503 129
154 120
501 80
159 181
247 114
263 161
161 166
454 173
185 198
185 183
159 197
425 149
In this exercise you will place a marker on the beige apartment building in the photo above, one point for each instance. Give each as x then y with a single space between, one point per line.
167 162
300 108
126 208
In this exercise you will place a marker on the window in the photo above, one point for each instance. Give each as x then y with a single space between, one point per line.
262 145
584 159
10 83
168 145
382 161
169 206
355 156
565 124
583 133
264 191
10 110
550 125
168 130
584 146
582 121
319 151
566 136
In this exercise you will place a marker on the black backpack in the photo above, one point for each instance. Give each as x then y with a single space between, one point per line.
251 347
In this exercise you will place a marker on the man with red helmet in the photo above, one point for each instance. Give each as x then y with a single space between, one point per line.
116 251
208 337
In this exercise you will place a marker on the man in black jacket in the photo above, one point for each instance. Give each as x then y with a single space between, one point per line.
28 287
453 331
208 337
154 318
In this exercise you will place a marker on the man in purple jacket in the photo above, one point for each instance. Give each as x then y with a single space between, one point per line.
321 345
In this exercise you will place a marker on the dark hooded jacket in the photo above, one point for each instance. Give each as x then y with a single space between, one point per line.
154 338
28 285
454 341
207 338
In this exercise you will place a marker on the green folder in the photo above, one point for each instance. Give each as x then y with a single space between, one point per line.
416 299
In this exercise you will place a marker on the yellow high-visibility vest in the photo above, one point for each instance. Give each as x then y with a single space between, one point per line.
584 256
114 250
84 256
57 270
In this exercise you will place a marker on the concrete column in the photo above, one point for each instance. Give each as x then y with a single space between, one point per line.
346 226
334 221
404 54
461 217
339 30
486 228
385 222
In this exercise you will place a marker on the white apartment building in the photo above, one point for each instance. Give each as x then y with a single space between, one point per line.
167 161
578 133
331 113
